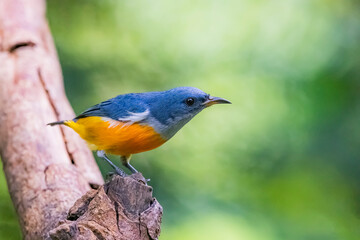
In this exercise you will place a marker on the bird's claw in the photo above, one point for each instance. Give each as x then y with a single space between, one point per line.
120 172
117 171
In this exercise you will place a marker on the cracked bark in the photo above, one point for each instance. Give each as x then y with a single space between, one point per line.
47 168
121 209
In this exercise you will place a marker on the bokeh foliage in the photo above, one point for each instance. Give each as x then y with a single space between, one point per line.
282 162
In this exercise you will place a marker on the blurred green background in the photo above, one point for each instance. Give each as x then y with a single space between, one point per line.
281 162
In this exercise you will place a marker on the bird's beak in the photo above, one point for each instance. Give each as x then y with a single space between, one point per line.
215 100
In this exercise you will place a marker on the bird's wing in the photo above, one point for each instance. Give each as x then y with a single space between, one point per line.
128 108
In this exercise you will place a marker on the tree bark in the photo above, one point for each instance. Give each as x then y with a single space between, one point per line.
122 209
47 168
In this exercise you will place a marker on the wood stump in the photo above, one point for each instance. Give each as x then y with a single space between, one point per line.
122 209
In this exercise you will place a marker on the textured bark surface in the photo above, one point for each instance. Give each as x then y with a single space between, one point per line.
47 168
122 209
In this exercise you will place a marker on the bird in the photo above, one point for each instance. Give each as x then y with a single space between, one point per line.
137 122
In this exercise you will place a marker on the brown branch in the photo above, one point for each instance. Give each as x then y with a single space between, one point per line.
47 168
122 209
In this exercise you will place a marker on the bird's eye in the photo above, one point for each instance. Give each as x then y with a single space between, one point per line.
190 101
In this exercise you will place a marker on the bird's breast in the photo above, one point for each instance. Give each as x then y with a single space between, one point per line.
117 137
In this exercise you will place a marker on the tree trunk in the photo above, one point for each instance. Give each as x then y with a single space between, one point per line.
47 168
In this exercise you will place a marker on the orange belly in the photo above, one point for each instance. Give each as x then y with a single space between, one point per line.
116 137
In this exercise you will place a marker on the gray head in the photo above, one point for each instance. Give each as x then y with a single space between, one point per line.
172 109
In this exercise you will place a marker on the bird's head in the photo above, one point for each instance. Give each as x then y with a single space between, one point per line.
175 107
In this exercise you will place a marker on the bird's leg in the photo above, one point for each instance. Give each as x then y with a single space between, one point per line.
125 161
118 170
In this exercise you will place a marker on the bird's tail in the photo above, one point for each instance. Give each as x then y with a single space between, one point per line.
57 123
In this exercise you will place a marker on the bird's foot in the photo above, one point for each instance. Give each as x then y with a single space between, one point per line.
118 171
